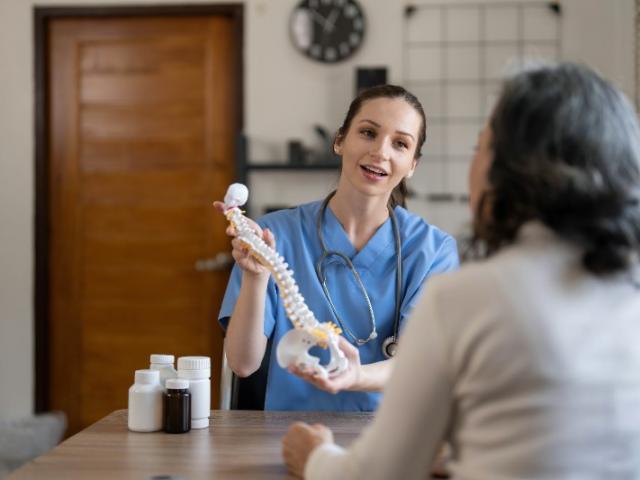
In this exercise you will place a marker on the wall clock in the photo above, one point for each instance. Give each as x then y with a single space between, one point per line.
327 30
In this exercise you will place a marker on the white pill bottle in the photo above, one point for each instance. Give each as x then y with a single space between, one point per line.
145 402
164 364
197 370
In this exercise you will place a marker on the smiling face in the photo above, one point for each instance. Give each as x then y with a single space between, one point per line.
378 150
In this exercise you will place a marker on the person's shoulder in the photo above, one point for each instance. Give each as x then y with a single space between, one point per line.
288 214
470 274
462 294
289 218
416 230
476 281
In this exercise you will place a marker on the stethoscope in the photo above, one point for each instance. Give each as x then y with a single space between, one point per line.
390 345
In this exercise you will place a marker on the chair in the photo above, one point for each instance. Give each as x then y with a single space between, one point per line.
244 393
24 439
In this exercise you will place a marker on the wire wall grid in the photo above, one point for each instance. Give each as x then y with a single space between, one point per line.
455 56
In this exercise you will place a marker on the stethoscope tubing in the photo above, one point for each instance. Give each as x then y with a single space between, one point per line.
390 344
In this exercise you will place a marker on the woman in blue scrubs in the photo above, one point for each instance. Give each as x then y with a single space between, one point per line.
379 143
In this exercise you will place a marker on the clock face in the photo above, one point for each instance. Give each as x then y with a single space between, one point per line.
327 30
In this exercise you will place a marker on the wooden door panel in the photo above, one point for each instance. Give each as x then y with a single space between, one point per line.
181 188
120 89
133 155
142 131
144 253
156 54
115 124
103 218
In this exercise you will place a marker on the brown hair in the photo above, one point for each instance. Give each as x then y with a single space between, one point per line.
399 194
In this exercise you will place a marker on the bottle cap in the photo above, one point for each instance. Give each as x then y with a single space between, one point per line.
147 377
177 384
162 358
195 368
194 363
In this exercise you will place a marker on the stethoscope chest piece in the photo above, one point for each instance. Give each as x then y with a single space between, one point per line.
389 347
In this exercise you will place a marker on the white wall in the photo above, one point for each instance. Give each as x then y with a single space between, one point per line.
16 211
285 94
600 33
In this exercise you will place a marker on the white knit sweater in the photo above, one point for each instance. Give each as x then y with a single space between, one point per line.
526 363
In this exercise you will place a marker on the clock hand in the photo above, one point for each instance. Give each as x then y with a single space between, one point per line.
331 19
318 18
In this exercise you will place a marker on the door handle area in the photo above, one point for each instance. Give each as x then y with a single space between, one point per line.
222 261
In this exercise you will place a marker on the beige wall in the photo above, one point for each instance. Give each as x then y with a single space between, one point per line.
285 95
600 33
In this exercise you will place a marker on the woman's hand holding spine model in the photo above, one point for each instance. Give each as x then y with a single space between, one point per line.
245 342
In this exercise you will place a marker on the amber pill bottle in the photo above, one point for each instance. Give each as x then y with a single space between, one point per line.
177 406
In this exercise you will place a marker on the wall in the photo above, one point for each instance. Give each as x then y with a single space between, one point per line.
285 95
600 33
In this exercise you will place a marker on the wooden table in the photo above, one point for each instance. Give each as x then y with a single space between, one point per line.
237 445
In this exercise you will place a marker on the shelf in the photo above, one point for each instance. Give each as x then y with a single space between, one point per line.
289 167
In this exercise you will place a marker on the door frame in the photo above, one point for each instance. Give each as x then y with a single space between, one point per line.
42 16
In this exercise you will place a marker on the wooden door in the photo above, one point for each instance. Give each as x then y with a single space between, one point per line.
142 120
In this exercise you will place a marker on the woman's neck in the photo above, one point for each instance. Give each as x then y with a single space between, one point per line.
360 215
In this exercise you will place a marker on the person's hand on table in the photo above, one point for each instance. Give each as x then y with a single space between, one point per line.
298 443
347 380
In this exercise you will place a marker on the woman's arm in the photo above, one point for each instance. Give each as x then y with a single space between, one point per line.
374 376
245 341
412 420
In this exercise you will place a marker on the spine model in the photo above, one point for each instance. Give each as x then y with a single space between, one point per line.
292 350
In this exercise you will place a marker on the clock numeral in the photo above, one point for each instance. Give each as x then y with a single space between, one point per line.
315 50
354 38
350 11
358 24
330 54
344 48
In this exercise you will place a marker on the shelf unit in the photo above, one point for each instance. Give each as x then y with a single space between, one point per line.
244 168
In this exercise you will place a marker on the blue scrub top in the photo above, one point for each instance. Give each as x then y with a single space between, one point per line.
426 250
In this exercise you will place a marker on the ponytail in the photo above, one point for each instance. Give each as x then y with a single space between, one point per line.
399 195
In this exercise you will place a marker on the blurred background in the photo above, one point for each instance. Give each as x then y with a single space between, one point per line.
121 122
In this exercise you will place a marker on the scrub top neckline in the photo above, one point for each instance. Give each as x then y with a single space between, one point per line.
336 238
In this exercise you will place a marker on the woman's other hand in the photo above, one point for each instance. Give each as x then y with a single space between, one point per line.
346 380
301 439
240 252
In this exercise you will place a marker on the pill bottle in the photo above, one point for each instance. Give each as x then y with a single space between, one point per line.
164 364
145 402
177 406
197 370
